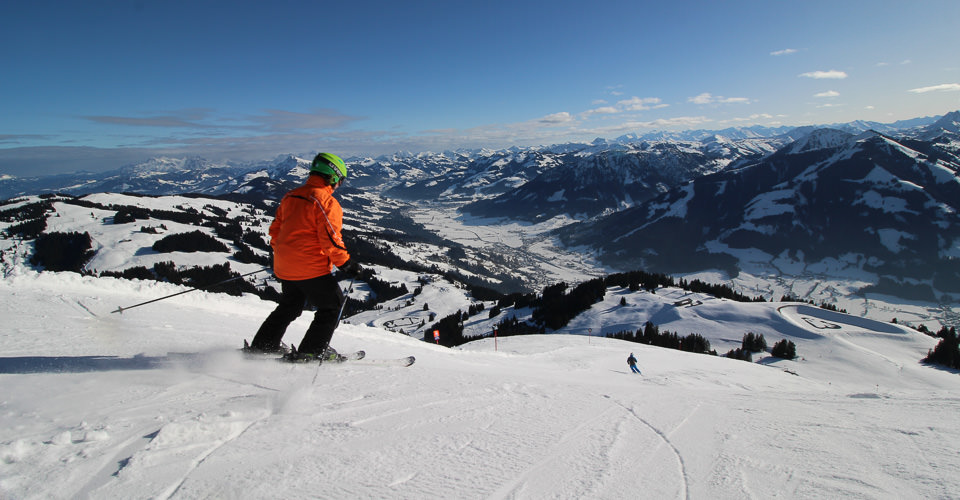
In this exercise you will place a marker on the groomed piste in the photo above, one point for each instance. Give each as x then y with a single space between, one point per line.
100 405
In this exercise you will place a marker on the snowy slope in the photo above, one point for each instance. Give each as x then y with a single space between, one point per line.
98 405
122 246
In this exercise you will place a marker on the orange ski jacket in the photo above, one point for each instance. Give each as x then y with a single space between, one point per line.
306 232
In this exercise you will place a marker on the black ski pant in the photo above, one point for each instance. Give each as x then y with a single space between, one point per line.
323 293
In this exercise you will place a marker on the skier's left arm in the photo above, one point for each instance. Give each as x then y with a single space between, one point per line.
329 229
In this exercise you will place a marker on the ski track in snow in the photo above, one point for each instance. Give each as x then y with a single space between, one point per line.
203 456
684 490
567 445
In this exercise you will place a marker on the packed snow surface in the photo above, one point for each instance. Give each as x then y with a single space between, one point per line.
156 402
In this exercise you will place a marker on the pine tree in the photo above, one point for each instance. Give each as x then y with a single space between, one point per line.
754 343
740 353
62 251
785 349
947 351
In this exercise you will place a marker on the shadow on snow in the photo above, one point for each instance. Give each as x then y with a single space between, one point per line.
82 364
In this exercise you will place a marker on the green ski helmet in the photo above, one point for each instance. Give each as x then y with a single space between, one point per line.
331 166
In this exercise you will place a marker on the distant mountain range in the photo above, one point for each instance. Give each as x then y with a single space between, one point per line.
603 179
885 205
880 198
464 175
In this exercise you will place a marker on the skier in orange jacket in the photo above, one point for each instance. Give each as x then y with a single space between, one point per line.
307 243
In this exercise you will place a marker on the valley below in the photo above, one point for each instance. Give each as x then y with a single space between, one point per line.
541 260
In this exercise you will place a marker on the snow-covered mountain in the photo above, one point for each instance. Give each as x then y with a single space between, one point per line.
156 176
731 133
606 178
867 202
467 177
946 131
462 175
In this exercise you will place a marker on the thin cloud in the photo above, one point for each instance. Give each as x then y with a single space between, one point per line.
614 90
783 52
641 104
184 118
20 138
556 118
320 119
605 110
828 75
829 93
751 118
273 120
708 98
677 122
149 121
944 87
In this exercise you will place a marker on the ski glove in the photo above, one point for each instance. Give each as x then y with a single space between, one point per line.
350 268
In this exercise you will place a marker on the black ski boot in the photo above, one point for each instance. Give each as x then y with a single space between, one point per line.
248 349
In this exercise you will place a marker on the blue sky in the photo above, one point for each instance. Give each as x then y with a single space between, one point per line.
96 84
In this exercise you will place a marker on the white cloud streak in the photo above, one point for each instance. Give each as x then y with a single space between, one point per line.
556 118
752 118
641 104
783 52
708 98
944 87
828 75
829 93
605 110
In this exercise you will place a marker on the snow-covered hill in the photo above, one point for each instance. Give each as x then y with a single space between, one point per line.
840 203
157 403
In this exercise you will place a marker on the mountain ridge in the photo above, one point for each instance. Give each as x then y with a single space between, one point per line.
891 208
415 165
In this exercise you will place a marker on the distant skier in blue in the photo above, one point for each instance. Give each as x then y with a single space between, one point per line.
632 361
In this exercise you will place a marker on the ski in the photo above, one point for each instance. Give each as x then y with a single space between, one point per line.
294 357
290 355
403 362
358 358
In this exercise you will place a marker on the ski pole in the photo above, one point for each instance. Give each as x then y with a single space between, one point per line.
121 309
340 315
342 306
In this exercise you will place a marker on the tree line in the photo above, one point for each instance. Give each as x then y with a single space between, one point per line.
947 351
